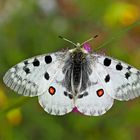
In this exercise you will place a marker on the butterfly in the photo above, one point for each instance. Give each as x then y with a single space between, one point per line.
75 78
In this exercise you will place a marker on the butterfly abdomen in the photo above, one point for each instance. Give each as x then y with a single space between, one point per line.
76 74
77 60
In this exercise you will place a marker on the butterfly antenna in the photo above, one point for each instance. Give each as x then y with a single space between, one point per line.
67 40
89 40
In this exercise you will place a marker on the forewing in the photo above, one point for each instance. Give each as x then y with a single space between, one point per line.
121 80
95 100
33 76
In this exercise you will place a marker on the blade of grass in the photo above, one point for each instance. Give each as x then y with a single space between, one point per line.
118 35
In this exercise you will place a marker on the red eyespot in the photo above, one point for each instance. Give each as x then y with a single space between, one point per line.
100 92
52 90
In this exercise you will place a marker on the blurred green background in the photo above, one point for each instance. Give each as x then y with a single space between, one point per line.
31 27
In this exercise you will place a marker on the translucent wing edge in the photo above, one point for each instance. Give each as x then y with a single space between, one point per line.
15 82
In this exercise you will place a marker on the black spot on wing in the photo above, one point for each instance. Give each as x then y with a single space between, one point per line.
26 62
68 95
27 70
129 67
83 95
107 62
46 75
65 93
48 59
80 96
119 67
36 62
107 78
127 75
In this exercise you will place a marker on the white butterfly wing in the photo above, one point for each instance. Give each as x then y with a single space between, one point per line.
121 80
42 76
32 76
59 103
95 100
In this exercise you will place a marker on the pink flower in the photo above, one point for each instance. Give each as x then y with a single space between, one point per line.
75 110
87 47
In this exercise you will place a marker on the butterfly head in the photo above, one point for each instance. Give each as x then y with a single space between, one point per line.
84 47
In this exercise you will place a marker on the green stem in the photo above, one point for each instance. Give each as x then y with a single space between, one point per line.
118 35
